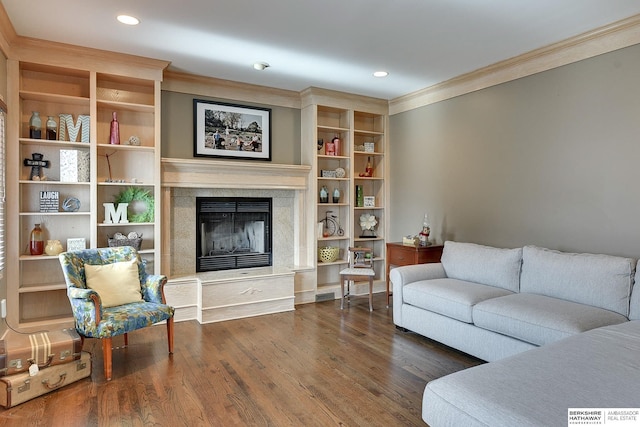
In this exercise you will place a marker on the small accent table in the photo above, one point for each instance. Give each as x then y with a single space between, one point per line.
399 255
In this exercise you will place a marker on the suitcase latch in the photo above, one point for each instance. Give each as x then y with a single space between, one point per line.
24 387
64 354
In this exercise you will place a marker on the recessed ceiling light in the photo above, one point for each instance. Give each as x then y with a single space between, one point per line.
128 20
260 66
381 74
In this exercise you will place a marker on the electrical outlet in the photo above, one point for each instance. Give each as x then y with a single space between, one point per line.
3 308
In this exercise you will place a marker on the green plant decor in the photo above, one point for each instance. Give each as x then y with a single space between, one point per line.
136 194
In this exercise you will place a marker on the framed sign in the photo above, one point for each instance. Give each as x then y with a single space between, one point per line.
231 131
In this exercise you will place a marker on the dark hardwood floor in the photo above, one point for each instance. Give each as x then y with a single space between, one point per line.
316 366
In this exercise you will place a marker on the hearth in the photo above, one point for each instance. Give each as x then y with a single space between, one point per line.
233 233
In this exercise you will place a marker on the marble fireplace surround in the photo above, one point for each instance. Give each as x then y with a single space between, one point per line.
185 179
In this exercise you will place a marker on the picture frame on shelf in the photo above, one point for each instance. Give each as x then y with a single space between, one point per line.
76 244
231 131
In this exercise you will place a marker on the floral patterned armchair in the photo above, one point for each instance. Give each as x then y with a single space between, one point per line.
95 321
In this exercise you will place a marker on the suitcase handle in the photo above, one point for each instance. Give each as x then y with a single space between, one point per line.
63 376
49 360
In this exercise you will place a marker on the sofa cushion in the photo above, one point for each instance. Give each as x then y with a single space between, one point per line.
449 297
596 369
540 319
599 280
483 264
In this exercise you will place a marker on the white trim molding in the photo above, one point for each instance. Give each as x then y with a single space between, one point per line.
605 39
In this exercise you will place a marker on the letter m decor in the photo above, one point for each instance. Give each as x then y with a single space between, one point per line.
66 124
113 216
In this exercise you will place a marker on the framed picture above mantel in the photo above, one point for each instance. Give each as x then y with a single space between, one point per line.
231 131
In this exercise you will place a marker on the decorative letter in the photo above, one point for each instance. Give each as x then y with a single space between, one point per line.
66 122
113 216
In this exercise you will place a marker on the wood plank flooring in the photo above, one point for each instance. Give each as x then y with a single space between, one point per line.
316 366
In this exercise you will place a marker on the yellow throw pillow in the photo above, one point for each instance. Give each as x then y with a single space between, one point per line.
116 283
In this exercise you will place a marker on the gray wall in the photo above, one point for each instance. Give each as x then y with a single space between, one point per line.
551 160
177 128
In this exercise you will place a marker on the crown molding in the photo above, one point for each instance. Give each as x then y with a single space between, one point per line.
618 35
175 81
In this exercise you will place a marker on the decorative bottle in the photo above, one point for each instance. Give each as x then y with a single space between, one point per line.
36 244
52 129
368 170
336 195
114 134
35 126
336 145
426 230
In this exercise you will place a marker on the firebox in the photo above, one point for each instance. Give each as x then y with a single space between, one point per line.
233 232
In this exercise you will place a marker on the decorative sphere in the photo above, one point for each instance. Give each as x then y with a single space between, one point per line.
71 204
134 140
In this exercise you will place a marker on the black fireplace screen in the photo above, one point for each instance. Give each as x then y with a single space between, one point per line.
233 232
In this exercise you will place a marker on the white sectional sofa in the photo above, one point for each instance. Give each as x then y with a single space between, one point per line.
495 303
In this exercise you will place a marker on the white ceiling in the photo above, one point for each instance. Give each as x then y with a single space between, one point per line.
333 44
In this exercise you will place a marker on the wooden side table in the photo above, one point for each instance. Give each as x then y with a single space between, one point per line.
399 255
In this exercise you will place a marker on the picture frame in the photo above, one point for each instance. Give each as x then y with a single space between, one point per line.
231 131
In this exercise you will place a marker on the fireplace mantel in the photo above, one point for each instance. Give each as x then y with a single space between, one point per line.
182 181
194 173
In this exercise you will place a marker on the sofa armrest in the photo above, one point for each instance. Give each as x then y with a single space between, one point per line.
402 276
413 273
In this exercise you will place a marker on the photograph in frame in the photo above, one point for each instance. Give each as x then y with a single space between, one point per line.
231 131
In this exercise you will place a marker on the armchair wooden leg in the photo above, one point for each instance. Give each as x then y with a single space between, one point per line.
170 334
126 340
106 355
370 293
341 293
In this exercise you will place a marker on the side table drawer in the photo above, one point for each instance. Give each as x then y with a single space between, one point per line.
399 257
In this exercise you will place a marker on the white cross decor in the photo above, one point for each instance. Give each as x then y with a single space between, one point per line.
113 216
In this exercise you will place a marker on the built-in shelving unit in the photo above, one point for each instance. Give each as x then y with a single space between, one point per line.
35 284
354 121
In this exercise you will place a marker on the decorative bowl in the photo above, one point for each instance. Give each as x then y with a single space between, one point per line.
328 253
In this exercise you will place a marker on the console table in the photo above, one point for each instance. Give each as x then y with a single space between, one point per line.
399 255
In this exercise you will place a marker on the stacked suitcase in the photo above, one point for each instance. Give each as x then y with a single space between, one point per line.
35 364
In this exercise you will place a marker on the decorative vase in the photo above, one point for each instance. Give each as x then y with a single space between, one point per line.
36 244
114 134
336 145
35 126
336 195
324 195
54 247
359 196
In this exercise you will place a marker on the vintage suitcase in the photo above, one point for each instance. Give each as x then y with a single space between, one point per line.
18 388
19 351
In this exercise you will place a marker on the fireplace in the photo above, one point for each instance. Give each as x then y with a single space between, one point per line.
233 233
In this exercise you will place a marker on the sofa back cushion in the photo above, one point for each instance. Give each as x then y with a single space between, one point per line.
483 264
598 280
